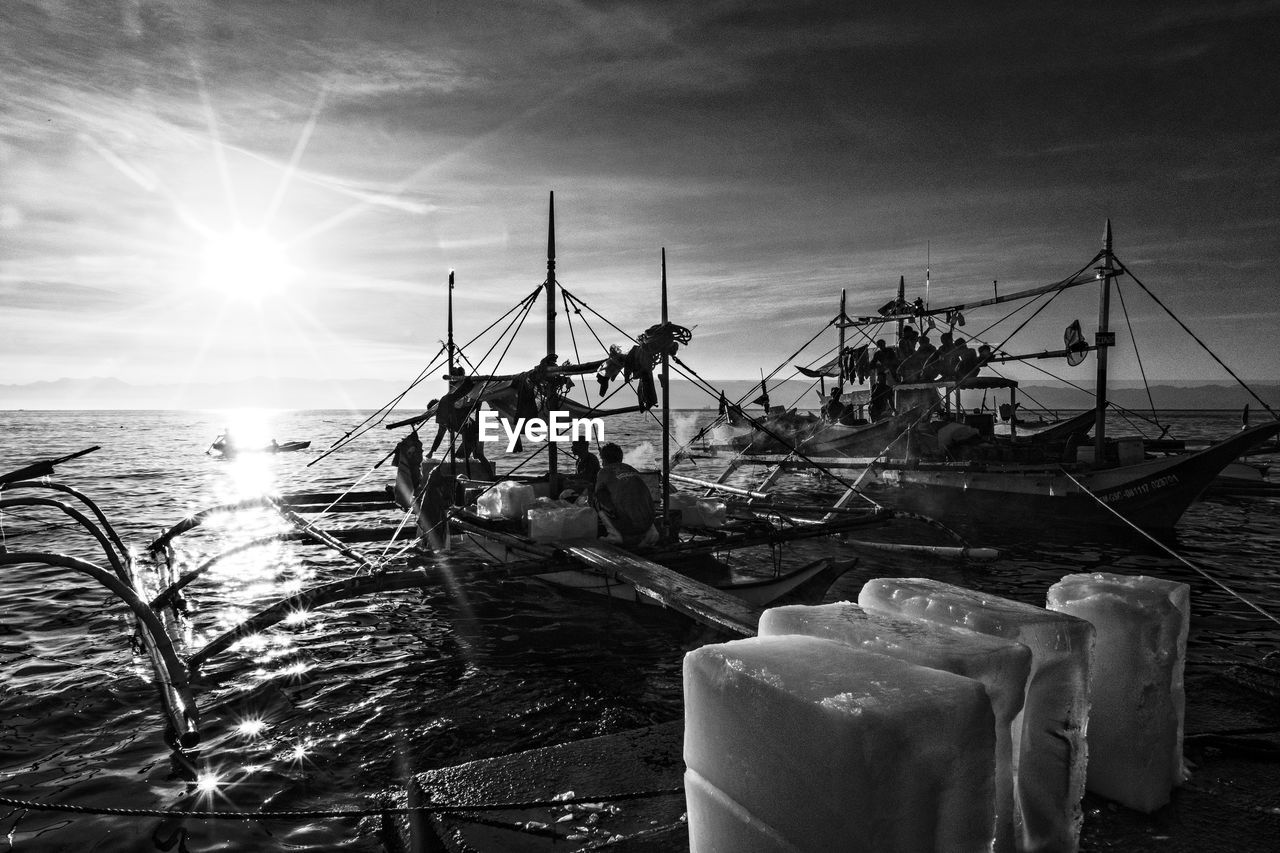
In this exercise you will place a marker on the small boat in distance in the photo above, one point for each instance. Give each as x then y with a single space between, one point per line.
226 448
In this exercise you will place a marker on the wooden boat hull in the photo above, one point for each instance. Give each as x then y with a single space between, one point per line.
809 581
819 439
883 437
1152 494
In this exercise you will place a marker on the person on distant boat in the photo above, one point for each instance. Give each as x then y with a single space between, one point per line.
834 408
985 354
624 500
944 358
884 363
912 366
884 367
927 355
907 343
965 360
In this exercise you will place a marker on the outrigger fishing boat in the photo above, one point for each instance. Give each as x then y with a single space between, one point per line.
954 457
941 455
449 499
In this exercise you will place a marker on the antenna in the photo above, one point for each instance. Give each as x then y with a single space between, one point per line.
928 262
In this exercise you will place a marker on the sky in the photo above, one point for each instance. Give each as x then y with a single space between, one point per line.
158 158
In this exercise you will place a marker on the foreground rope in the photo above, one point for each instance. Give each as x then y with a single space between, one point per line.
1172 553
312 814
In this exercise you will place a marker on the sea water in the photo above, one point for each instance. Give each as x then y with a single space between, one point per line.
337 707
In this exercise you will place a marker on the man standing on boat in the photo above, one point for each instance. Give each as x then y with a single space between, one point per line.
884 366
452 412
624 500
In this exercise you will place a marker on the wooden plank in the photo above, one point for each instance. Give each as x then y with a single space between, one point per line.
697 600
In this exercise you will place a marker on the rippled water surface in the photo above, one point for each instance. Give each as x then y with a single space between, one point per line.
336 707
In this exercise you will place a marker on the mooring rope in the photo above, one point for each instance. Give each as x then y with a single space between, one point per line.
1171 552
314 814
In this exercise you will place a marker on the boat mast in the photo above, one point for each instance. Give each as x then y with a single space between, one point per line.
551 329
453 438
902 304
666 407
840 352
1104 340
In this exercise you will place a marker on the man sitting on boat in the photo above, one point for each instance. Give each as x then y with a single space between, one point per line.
834 409
586 470
624 500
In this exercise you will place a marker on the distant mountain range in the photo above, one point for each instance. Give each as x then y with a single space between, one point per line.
372 393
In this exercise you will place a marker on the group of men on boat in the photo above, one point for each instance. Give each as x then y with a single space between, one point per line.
914 359
616 490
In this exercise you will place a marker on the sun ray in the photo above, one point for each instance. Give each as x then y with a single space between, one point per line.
219 155
291 169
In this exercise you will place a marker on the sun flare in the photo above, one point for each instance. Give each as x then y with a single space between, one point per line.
246 265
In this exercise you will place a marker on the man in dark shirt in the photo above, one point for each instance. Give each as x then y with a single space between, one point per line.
587 468
834 408
624 500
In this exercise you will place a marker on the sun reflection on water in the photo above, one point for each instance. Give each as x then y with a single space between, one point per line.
250 432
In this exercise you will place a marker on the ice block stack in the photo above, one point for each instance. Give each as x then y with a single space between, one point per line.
796 742
1049 744
1135 726
1002 666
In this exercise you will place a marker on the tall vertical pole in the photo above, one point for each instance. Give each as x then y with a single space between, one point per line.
453 453
551 330
1104 340
902 304
666 406
840 323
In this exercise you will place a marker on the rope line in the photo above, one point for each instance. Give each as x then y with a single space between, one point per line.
312 814
1171 552
1202 344
1128 321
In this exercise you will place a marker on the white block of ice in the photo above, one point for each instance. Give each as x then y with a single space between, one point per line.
836 748
718 824
1002 666
1050 752
1136 721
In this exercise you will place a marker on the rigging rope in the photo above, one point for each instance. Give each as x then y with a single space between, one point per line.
387 407
1141 369
1202 344
1171 552
381 414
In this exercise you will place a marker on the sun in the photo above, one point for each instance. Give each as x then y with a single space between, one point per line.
246 265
